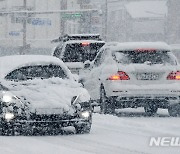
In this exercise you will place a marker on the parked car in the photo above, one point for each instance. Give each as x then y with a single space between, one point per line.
75 49
39 94
137 74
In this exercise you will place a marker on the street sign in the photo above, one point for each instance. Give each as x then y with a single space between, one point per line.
14 33
71 15
41 22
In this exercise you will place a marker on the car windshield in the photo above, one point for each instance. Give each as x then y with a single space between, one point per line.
149 57
80 52
39 71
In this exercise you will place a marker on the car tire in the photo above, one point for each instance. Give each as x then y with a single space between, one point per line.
174 110
106 104
5 131
150 110
83 129
1 131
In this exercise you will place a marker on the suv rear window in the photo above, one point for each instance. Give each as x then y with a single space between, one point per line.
80 52
140 57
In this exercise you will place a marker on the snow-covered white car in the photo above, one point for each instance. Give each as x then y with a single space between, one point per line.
78 48
134 74
39 94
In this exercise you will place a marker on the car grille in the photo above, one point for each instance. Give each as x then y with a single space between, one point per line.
50 118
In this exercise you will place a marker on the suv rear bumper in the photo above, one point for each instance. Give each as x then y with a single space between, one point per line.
162 95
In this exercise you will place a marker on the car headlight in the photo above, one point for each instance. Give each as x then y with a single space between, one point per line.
85 114
7 98
9 116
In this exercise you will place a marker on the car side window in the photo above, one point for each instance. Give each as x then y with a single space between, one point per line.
172 58
18 74
57 51
32 72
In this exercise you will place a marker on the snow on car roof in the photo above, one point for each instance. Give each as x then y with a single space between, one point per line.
138 45
80 41
9 63
83 34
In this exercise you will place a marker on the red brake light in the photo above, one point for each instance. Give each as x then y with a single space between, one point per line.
119 76
85 44
174 76
145 50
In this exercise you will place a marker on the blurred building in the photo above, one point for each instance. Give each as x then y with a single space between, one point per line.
173 21
146 21
132 20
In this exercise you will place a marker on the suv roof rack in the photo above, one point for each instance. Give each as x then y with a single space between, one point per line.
68 37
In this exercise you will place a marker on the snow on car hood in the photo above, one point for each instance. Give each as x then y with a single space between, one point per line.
50 95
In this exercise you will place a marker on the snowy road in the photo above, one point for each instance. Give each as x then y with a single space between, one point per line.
121 134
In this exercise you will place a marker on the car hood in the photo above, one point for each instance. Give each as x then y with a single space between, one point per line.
49 96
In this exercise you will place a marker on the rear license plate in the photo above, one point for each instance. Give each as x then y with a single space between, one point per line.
147 76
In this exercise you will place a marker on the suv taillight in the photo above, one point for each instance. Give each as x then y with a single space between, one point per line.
119 76
174 76
83 44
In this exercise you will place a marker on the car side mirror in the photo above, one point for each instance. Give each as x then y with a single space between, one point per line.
73 99
81 81
75 77
87 64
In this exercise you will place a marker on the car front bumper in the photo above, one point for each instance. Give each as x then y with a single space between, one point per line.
22 124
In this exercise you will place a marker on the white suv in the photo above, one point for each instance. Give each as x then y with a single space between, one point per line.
75 49
138 74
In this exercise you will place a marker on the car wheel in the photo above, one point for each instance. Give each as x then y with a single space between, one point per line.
106 105
7 131
83 129
1 131
174 110
150 110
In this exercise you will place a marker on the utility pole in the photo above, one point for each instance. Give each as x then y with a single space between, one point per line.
24 47
106 20
107 10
